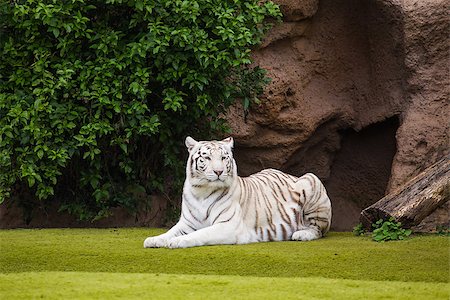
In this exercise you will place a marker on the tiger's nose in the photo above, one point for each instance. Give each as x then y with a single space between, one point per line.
218 172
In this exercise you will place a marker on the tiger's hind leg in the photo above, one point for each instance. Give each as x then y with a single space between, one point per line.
307 234
316 209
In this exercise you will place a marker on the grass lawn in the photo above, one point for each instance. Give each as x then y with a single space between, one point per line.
111 263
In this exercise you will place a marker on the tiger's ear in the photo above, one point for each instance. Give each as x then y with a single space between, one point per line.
190 143
229 142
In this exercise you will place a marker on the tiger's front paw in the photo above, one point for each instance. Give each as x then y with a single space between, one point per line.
180 242
155 242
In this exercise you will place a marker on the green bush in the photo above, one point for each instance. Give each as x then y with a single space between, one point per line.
96 97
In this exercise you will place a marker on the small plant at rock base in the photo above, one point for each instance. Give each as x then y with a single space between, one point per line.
443 230
359 230
389 231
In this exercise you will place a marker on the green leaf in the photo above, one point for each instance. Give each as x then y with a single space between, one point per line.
31 181
40 153
246 103
55 32
94 182
139 5
124 147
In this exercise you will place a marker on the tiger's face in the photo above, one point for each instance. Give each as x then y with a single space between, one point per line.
210 163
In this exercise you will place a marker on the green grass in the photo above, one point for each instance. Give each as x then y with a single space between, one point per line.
111 263
69 285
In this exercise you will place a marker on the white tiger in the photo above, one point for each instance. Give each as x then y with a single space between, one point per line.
219 207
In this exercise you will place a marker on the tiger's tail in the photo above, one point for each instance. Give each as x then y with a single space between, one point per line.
316 208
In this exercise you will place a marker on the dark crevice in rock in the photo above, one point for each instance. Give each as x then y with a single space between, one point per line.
361 170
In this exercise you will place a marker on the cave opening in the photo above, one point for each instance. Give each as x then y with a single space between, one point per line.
360 171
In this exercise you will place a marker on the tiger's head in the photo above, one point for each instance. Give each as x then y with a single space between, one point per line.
210 163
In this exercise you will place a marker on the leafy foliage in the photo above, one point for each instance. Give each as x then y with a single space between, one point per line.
97 96
359 230
389 230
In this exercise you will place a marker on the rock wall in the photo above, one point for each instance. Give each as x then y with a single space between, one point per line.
359 96
423 135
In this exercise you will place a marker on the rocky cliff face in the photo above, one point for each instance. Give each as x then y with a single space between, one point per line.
359 96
